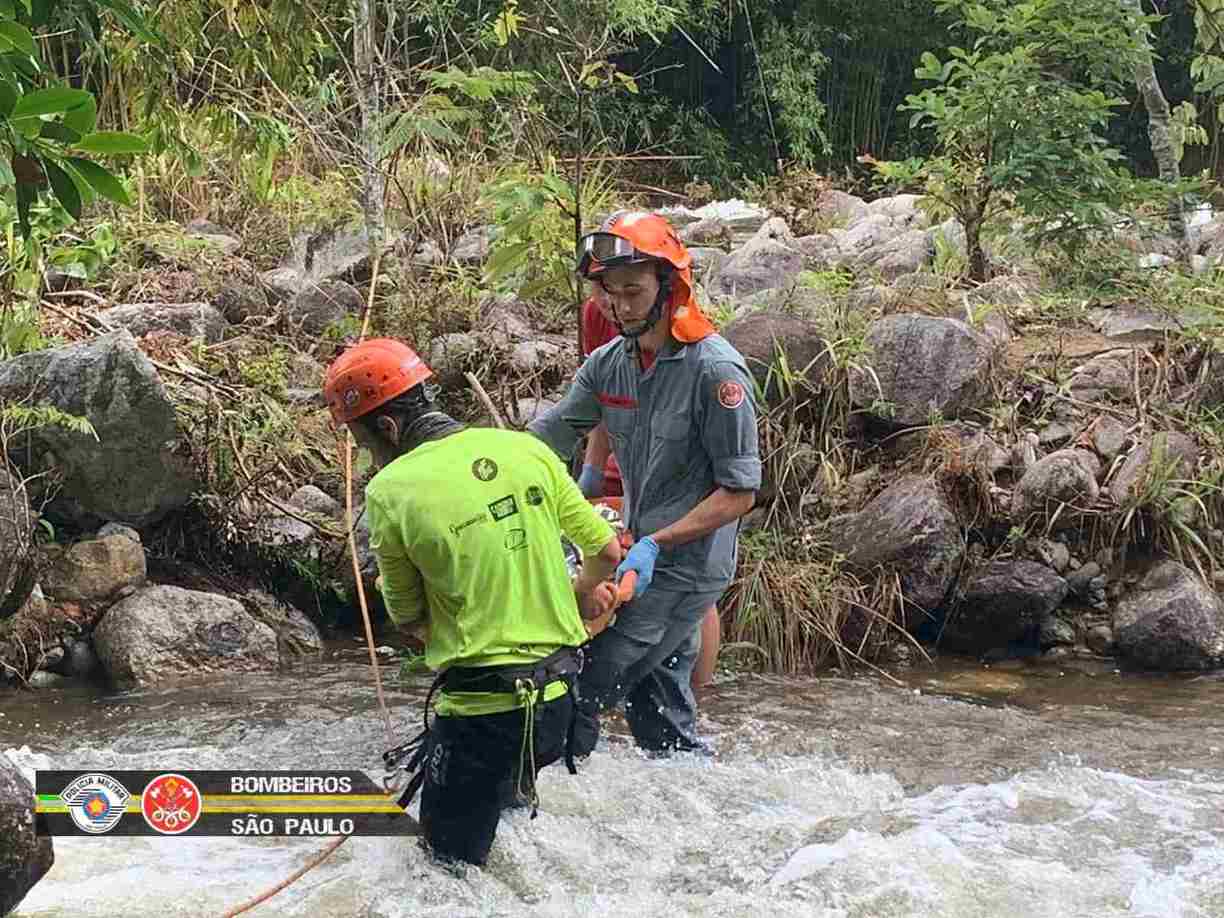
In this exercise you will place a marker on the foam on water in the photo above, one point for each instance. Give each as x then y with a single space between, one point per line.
832 799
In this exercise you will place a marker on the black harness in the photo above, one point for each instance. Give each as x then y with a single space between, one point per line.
564 664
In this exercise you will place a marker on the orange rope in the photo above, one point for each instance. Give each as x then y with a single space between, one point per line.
365 618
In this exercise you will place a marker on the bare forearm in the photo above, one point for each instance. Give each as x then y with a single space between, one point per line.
717 510
598 448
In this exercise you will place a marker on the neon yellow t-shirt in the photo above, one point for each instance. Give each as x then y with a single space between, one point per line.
467 533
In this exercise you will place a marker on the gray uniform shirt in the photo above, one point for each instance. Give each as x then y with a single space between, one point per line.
680 430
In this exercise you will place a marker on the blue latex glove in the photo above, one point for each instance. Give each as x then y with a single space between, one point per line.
641 558
591 481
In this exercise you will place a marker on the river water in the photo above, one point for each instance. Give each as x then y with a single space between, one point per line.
1029 791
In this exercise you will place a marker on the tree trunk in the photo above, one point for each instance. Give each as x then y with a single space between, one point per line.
1159 135
374 183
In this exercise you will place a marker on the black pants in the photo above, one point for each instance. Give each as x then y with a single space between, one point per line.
469 764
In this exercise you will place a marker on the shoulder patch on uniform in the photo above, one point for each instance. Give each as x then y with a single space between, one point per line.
730 394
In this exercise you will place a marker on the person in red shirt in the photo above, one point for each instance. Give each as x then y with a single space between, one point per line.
600 475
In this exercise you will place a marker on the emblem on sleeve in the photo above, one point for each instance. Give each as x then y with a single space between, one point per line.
730 394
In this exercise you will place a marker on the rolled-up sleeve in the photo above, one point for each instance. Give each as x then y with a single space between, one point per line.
729 426
578 413
403 588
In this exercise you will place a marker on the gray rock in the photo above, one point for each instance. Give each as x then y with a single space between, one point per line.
80 661
904 254
282 284
1053 554
472 249
131 472
770 257
836 205
1002 291
296 635
1079 581
902 210
315 500
531 408
1100 639
17 520
25 857
332 254
1130 325
93 570
1055 631
119 529
921 366
225 240
909 528
869 233
1105 376
761 336
193 320
323 304
707 261
1172 452
1109 437
46 680
820 249
1000 603
453 354
1067 476
1171 621
528 357
711 230
238 301
164 632
1057 434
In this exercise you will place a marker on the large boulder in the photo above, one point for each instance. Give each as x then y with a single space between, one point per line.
1171 621
130 471
838 206
1170 453
296 635
909 528
164 632
768 259
1001 602
192 320
922 366
904 254
760 336
319 305
25 856
1064 477
16 536
93 570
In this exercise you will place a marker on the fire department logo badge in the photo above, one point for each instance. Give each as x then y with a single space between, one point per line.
484 469
351 397
730 394
171 804
96 802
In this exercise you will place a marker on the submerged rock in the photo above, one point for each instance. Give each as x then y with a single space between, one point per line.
25 857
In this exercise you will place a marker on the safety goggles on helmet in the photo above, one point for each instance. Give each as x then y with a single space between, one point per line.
598 251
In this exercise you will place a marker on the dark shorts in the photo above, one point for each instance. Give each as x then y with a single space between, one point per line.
470 765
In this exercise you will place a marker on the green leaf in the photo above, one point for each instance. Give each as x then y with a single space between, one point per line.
18 37
26 193
49 102
8 97
100 180
7 9
6 174
54 130
133 20
83 119
112 142
65 189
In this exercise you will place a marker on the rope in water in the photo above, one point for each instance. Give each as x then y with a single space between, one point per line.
365 619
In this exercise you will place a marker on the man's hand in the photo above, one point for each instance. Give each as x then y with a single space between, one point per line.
598 602
641 558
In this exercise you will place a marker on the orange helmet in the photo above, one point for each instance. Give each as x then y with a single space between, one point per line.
635 237
369 375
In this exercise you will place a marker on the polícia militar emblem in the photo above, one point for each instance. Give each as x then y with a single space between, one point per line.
96 802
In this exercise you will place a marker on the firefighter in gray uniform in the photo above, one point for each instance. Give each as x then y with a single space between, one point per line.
677 402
